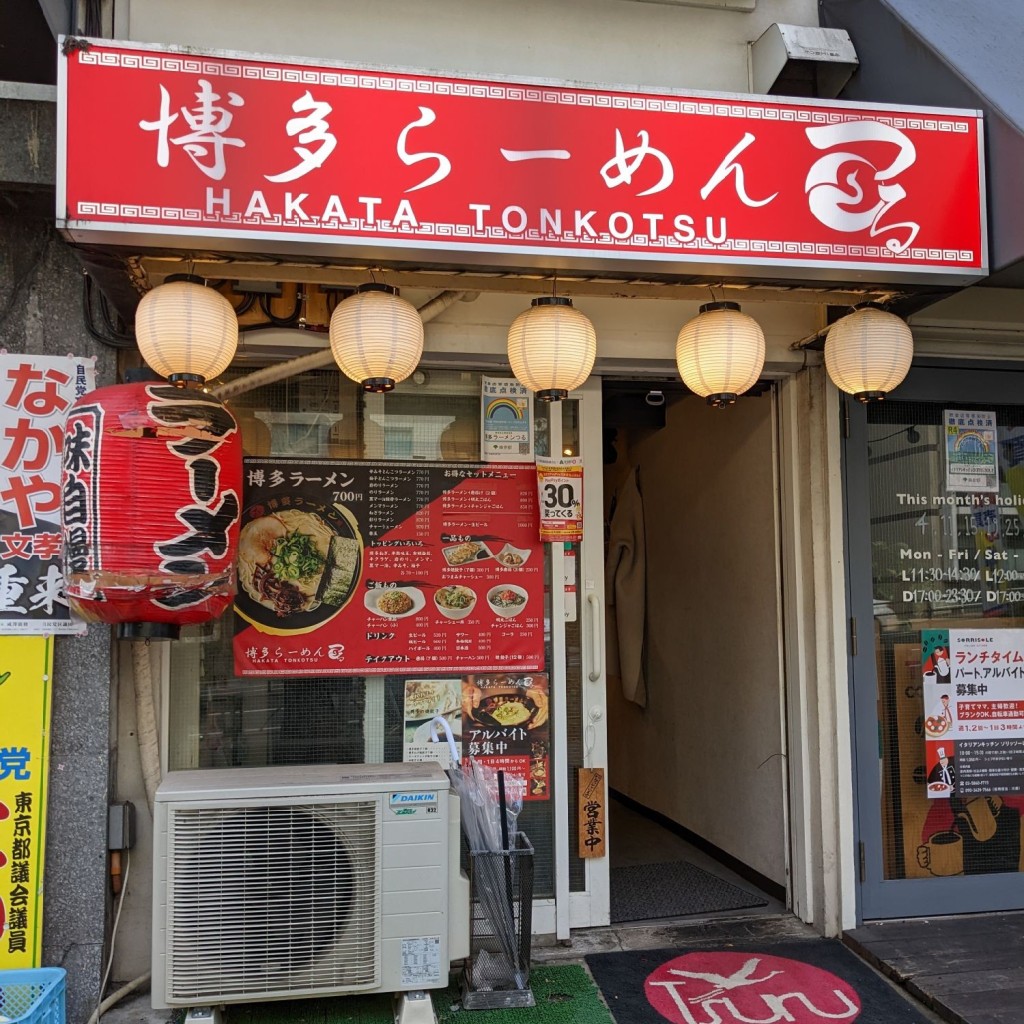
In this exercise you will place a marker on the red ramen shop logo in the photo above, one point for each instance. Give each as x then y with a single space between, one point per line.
739 988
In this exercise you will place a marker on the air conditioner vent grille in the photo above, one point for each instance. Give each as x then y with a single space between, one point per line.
272 899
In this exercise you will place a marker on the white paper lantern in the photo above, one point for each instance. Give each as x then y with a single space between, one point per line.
186 331
551 348
720 353
868 352
376 337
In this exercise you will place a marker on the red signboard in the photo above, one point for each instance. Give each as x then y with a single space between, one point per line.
261 154
384 568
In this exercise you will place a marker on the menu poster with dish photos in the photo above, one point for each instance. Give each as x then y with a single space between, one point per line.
388 568
505 725
973 688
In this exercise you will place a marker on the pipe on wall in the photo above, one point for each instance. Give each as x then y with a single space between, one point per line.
322 357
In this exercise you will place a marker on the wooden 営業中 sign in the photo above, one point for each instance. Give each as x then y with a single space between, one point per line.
592 806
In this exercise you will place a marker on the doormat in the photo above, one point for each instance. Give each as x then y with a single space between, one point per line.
806 981
564 994
647 891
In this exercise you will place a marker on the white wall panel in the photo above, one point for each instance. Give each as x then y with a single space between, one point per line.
604 41
707 750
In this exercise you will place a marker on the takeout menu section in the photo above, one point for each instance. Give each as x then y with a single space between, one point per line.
367 568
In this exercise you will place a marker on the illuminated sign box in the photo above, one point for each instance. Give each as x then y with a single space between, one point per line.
162 147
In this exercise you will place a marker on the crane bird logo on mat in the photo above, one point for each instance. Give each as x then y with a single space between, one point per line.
734 987
721 983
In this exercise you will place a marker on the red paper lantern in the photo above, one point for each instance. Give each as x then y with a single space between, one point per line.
152 484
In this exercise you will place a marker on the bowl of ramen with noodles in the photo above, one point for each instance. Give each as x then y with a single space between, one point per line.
296 567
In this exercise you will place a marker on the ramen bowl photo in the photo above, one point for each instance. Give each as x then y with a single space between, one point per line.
507 601
455 602
296 567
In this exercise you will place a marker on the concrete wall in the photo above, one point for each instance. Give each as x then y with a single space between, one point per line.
132 948
706 751
41 312
609 41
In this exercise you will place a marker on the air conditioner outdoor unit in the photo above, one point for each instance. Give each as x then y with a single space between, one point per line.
280 883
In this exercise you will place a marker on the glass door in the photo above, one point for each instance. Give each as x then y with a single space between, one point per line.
935 497
586 880
573 429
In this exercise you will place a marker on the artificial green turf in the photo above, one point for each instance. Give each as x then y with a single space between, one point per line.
564 993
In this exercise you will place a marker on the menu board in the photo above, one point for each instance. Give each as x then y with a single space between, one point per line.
361 568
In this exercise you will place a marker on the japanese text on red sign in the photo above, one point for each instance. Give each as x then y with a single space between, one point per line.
215 143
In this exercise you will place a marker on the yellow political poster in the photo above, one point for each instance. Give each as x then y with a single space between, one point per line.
26 668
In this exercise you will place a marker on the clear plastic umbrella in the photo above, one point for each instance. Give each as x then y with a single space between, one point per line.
490 805
480 792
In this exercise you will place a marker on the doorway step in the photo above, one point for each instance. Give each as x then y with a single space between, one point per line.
968 969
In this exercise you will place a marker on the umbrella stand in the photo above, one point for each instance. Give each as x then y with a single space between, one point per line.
497 970
497 973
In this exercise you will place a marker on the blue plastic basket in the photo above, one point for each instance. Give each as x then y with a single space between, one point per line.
33 996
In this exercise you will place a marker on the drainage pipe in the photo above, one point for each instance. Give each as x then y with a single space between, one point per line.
145 719
116 997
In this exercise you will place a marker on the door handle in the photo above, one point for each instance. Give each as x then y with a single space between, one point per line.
596 639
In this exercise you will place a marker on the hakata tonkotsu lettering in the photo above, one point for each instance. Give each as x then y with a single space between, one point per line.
265 150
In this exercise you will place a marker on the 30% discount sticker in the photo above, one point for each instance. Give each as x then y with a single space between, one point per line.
560 493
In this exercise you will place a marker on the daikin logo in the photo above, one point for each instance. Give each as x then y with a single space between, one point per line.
404 803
